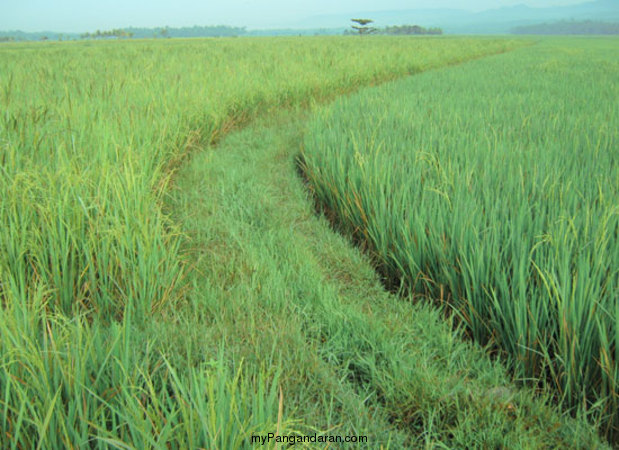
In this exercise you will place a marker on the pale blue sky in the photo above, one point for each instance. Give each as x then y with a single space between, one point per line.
88 15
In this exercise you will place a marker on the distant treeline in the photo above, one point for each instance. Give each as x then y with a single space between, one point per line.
402 30
571 27
128 33
167 32
200 31
18 36
410 29
117 33
295 32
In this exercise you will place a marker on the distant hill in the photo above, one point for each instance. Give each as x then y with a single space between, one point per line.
451 21
500 20
570 27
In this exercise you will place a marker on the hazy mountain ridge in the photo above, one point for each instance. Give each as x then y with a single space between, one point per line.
451 21
500 20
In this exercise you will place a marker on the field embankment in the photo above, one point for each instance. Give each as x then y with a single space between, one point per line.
494 187
92 271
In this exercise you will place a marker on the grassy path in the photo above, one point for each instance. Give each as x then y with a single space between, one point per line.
280 289
106 341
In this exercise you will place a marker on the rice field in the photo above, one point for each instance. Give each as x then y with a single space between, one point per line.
93 268
493 188
90 133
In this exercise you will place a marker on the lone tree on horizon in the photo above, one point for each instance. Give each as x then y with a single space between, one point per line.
362 27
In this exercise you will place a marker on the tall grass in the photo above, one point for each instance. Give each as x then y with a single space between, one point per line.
66 383
90 131
90 136
354 360
494 186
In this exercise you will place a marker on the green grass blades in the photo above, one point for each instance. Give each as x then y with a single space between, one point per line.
90 132
495 186
281 288
67 384
93 272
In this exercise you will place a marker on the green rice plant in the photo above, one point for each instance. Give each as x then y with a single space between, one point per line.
67 384
494 187
285 290
91 132
91 135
